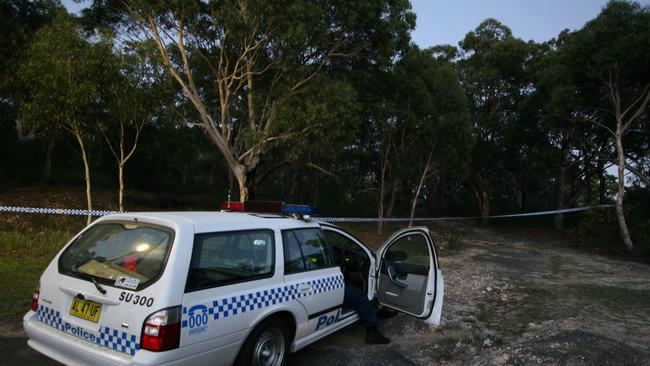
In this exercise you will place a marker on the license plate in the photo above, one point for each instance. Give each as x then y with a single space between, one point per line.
85 309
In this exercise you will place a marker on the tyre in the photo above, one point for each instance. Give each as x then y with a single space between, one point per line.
267 345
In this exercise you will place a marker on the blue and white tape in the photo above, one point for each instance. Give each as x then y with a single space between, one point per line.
55 211
78 212
403 219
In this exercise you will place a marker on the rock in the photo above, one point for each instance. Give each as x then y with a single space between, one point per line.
488 289
487 343
503 359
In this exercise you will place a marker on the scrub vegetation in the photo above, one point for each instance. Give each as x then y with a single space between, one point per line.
329 103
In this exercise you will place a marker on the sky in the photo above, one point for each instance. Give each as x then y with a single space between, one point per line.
447 21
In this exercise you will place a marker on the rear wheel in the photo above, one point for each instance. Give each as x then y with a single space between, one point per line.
267 345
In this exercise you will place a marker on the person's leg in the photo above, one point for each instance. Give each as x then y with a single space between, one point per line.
357 299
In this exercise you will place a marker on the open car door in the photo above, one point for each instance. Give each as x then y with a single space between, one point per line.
408 277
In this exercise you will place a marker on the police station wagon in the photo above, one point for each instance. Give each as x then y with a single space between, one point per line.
213 288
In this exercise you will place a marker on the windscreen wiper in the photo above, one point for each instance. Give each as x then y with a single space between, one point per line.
94 281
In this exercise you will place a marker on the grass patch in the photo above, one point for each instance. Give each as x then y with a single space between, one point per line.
485 313
24 254
612 296
450 241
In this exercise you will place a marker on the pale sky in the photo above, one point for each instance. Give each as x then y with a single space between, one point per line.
447 21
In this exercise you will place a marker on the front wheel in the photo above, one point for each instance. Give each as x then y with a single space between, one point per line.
267 345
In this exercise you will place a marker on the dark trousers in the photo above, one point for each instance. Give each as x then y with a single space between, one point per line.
359 301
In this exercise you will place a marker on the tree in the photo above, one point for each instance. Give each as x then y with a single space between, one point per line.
613 52
65 97
137 93
494 73
427 129
20 20
239 62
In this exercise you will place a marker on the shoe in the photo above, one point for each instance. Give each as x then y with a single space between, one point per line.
374 337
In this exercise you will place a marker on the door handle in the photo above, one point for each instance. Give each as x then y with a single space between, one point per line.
304 288
391 276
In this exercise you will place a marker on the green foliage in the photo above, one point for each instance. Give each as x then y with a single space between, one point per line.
65 97
502 119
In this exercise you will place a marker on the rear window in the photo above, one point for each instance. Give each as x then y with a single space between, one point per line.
125 255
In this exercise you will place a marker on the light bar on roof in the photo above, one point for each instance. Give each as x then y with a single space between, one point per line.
300 210
272 207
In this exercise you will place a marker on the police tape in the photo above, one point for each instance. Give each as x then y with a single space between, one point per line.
79 212
56 211
406 219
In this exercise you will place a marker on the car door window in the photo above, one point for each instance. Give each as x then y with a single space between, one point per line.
305 249
231 257
410 250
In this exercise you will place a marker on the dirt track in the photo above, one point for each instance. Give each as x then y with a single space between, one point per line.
515 301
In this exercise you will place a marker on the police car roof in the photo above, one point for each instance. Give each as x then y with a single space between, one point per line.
207 221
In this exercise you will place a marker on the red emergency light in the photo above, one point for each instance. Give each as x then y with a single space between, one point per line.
233 206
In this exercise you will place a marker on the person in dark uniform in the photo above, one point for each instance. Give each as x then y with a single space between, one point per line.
359 301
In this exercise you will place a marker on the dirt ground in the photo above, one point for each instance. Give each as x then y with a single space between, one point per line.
514 299
510 299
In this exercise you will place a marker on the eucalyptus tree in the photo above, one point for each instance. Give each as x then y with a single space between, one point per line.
136 93
58 71
20 20
494 72
238 62
612 58
425 128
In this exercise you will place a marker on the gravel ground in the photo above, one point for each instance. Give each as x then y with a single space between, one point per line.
514 300
509 300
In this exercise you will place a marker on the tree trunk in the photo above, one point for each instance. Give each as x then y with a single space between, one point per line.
558 219
625 233
120 171
380 213
239 172
47 169
602 184
482 196
393 196
84 157
315 190
382 188
419 189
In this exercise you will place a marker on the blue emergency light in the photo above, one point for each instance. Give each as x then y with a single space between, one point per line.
300 210
272 207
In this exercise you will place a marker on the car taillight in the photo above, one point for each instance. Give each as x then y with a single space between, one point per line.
35 296
162 330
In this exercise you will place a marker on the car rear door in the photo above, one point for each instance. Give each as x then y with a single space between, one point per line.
310 269
409 277
104 284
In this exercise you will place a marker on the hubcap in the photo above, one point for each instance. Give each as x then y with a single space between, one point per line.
269 348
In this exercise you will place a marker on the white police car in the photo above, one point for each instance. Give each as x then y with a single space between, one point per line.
213 288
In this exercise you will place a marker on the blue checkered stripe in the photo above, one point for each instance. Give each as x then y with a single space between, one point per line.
118 340
323 285
230 306
107 337
50 317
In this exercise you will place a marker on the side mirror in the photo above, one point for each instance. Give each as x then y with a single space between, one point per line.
396 256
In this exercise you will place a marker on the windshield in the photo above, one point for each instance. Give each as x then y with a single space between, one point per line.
127 255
